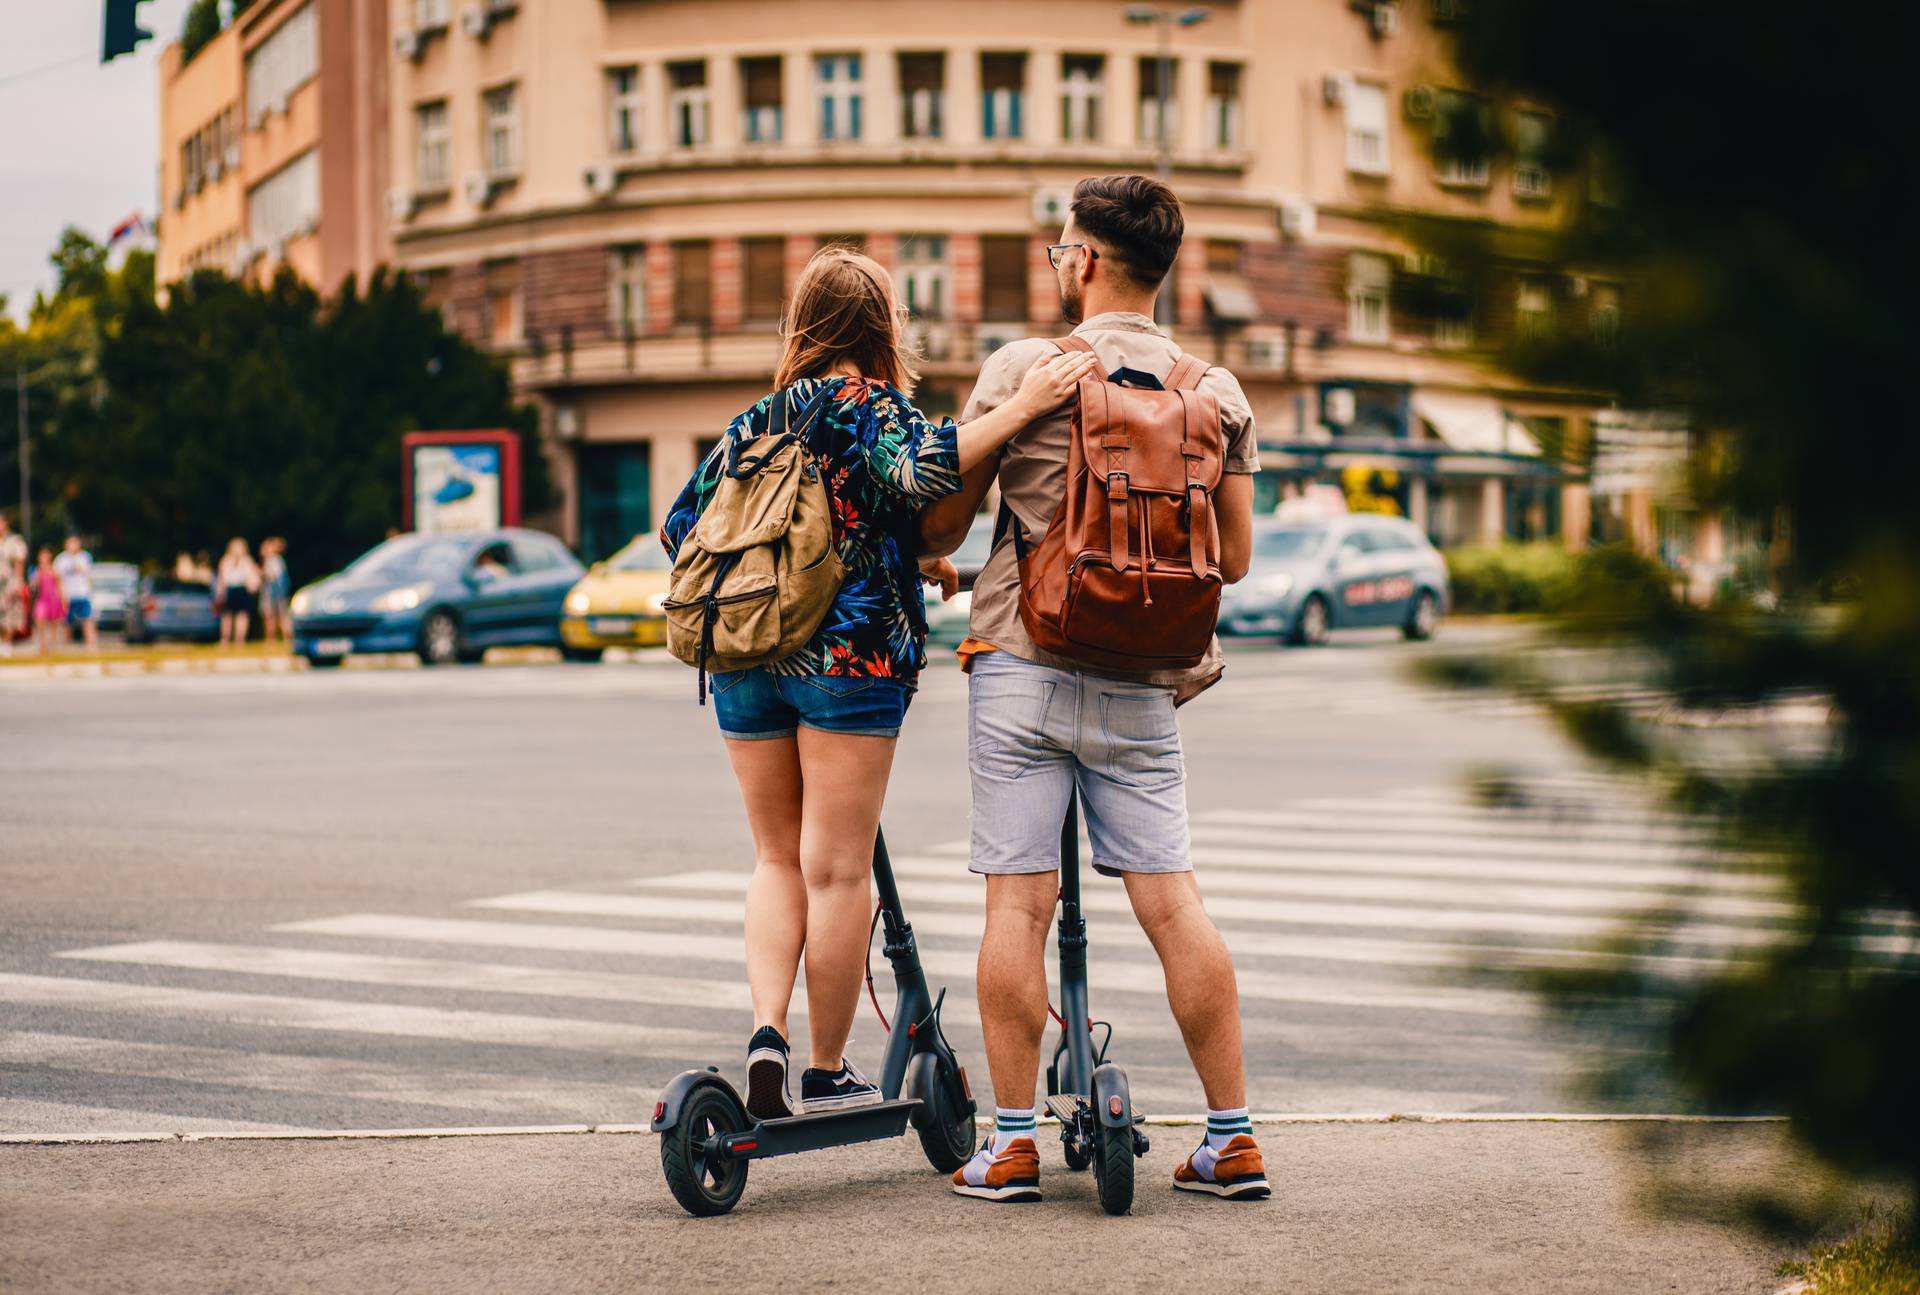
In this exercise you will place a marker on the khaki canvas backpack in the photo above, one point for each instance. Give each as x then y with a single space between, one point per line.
1127 575
759 571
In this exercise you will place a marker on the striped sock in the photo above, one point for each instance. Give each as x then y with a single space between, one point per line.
1010 1123
1222 1128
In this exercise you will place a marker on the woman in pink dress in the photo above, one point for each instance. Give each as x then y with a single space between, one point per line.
49 604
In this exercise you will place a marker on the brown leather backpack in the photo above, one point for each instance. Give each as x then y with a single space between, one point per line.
1127 575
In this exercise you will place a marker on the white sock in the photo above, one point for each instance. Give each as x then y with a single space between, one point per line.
1222 1128
1010 1123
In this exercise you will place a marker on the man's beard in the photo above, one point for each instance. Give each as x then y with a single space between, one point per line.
1071 302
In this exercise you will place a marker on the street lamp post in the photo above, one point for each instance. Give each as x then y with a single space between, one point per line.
1165 20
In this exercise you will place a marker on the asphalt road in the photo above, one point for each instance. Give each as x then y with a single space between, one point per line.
509 895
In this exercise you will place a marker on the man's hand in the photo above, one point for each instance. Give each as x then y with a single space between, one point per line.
942 573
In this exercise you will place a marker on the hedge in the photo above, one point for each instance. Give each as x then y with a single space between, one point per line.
1544 577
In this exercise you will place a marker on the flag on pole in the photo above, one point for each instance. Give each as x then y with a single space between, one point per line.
133 226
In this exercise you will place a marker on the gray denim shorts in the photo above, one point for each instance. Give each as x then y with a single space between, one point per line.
1034 733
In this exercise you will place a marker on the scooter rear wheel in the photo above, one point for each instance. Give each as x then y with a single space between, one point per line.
704 1184
948 1134
1113 1168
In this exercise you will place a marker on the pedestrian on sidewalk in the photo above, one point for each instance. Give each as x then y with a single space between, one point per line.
811 736
13 547
49 604
1043 724
276 590
238 582
16 602
75 566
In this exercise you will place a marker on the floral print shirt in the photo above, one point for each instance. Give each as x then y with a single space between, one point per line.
883 461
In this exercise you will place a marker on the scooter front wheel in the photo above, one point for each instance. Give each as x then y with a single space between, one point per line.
704 1183
946 1125
1113 1168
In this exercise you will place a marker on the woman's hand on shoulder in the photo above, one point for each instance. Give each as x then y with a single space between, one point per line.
941 573
1047 384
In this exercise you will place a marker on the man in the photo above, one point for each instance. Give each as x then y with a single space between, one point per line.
1037 725
75 566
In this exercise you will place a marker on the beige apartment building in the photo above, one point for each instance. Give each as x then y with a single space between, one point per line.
274 145
614 195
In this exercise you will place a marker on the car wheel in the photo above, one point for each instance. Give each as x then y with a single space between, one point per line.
439 639
324 662
1424 617
1310 626
582 656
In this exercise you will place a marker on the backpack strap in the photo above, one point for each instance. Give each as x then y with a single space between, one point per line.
1186 374
1072 343
1200 518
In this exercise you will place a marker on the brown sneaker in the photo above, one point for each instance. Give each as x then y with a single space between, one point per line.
1013 1175
1238 1173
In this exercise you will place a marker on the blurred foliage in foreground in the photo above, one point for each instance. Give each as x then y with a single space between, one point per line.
1769 296
1880 1259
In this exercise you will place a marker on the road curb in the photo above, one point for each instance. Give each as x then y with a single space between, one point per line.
579 1130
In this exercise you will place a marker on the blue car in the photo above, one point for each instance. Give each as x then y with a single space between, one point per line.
165 608
1352 571
447 597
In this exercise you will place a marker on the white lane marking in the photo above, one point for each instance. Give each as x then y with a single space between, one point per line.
1365 818
353 1078
115 1122
1541 867
279 1011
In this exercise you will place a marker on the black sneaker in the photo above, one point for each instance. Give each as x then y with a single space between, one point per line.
826 1090
767 1056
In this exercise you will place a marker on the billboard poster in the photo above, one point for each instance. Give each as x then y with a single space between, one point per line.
460 481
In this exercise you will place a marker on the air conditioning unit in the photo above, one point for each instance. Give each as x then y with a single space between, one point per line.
399 204
1386 18
407 44
1418 102
479 189
1333 89
1051 205
1266 353
476 21
602 179
1297 219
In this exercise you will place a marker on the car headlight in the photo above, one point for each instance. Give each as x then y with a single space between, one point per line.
405 598
658 602
1275 586
302 603
578 602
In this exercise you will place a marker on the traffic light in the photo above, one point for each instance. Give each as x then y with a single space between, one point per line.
123 29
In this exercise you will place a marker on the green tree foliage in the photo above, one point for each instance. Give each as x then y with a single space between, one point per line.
1769 294
201 26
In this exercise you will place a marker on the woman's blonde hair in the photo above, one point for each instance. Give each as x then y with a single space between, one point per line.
844 311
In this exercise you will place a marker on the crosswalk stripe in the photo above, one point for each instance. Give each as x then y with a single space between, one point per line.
1370 819
1308 832
386 1019
1209 851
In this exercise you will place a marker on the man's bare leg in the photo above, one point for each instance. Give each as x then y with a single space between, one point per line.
1201 988
1013 980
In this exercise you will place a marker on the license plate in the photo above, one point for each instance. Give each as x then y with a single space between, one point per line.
332 647
611 624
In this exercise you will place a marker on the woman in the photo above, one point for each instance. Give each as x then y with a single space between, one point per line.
238 580
16 601
811 737
49 603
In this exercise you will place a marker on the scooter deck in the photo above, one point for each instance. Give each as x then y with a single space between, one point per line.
1066 1106
816 1130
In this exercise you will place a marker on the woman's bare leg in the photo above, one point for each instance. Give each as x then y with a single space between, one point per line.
769 775
844 784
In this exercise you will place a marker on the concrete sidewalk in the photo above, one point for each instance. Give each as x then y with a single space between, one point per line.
1485 1207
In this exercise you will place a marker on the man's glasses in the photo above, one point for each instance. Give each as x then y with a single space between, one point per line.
1055 250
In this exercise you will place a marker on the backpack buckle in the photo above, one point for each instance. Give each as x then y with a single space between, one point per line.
1119 485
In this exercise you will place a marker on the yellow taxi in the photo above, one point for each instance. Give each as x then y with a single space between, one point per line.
618 603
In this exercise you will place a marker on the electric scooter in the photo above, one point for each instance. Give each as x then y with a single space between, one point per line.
1087 1093
707 1138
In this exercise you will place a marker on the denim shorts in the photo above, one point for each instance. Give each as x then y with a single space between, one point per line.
1036 734
756 704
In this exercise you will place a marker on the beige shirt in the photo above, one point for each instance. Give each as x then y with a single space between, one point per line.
1033 471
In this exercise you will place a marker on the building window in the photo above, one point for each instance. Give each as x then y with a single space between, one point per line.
838 76
1603 314
430 145
1453 326
1367 128
430 15
1462 135
689 108
761 97
764 265
503 302
1158 119
628 296
1003 87
1003 277
623 110
1530 138
286 204
1533 311
1081 77
1368 277
924 275
1223 106
500 131
693 282
282 63
923 84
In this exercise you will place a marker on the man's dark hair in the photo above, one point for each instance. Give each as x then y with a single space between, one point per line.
1136 218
